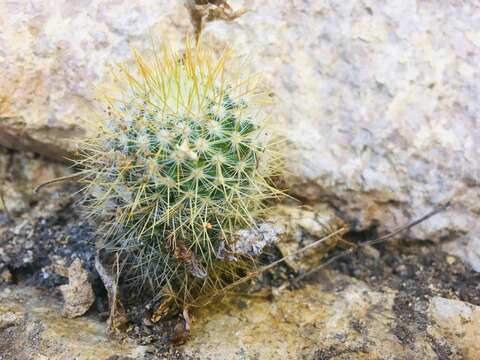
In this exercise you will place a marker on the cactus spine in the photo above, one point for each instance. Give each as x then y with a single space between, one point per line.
181 160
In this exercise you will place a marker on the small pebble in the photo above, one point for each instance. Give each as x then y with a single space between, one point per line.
6 276
8 319
450 259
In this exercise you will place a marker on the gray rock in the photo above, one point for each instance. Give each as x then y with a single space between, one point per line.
78 294
457 321
54 54
379 103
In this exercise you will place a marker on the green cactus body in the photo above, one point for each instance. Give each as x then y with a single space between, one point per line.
181 162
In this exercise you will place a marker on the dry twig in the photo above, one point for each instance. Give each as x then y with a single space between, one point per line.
73 178
374 241
117 319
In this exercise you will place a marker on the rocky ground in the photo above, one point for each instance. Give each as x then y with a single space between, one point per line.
378 104
395 300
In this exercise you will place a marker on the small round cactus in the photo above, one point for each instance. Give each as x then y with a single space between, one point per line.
180 162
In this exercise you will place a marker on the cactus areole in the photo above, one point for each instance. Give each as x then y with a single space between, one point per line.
179 162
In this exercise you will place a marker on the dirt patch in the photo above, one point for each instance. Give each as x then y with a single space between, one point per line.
34 243
53 232
417 271
421 269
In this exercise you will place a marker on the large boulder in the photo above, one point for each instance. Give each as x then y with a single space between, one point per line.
378 101
54 53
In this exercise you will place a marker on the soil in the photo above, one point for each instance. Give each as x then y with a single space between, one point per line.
420 269
417 271
35 242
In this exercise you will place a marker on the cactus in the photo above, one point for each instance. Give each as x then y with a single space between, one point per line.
180 161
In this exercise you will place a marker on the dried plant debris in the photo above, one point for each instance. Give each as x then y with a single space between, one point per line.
117 319
252 241
203 11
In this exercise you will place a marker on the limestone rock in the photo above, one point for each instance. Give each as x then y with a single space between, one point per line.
467 248
339 317
459 322
31 328
378 101
54 53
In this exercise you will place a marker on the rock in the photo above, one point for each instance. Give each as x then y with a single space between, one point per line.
8 319
78 293
20 173
53 54
303 227
340 316
32 328
457 322
467 248
5 277
378 102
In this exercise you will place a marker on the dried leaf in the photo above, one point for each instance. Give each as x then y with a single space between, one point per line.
203 11
182 329
185 255
162 310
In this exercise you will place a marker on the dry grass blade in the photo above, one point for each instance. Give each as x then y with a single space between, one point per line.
72 178
4 205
